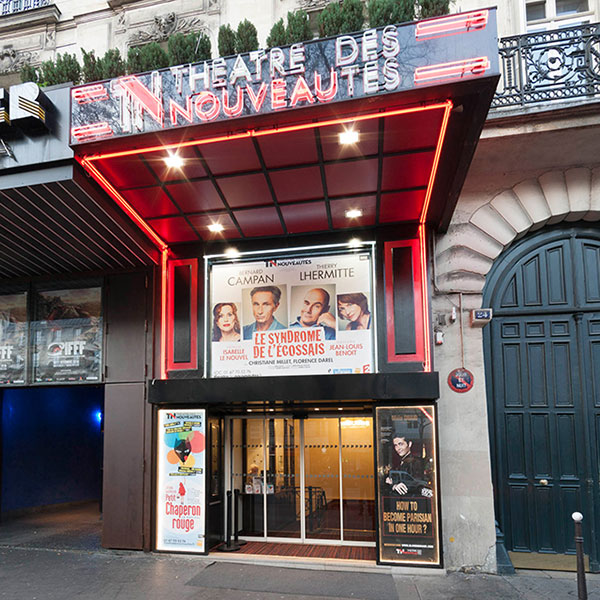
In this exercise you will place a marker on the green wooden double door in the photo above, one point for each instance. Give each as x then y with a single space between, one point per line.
543 387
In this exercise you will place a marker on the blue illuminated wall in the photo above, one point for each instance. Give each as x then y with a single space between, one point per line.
51 445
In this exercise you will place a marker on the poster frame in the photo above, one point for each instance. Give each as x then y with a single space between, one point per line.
26 358
439 537
33 319
155 484
284 254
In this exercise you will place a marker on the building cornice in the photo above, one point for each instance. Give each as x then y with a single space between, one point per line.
45 15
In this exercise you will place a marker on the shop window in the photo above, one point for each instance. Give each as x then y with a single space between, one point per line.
13 338
541 15
66 336
51 336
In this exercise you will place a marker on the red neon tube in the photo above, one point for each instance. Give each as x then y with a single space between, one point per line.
425 298
90 93
260 133
163 314
452 25
458 69
86 164
425 413
436 160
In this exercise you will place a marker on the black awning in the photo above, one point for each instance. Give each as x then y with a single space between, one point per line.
283 393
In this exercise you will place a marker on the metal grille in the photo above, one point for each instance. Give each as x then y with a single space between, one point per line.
549 65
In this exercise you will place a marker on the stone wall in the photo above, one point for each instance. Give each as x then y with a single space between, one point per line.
529 171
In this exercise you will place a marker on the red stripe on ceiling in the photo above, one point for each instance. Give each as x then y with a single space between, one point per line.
259 222
361 177
302 218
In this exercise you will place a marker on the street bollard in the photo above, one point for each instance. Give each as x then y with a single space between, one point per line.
581 585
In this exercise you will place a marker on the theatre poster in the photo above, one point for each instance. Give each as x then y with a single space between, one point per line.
407 489
13 338
181 485
67 336
291 316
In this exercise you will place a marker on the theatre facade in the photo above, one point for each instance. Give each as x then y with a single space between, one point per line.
258 312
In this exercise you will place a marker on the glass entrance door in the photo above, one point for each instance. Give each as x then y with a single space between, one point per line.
283 478
307 480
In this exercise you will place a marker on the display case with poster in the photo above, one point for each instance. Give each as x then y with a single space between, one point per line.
67 336
181 485
407 488
291 315
13 338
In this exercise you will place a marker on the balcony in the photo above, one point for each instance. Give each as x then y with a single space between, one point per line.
10 7
22 15
549 67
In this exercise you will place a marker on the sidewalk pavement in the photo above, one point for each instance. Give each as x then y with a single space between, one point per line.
45 574
57 555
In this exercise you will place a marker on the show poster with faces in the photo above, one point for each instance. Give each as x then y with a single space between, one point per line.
67 336
13 338
292 316
181 491
408 527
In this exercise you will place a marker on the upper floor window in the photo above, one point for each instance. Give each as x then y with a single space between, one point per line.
553 14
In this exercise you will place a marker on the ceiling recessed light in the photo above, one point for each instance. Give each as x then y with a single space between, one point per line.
353 213
232 252
216 227
348 136
174 161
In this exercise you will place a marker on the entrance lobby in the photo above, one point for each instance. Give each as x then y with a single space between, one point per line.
304 480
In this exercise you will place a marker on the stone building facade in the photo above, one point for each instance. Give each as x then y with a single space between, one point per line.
536 171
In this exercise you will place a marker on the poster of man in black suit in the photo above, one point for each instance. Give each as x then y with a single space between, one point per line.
408 530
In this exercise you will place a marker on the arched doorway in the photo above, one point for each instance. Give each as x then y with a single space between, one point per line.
542 354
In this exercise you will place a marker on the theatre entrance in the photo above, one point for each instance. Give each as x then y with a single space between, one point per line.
303 480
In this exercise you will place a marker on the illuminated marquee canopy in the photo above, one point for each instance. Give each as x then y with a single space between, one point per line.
379 61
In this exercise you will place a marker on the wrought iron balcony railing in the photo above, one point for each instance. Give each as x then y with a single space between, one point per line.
549 66
10 7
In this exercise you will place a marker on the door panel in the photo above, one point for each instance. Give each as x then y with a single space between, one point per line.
590 328
540 426
215 512
247 471
268 458
283 478
358 481
322 478
123 481
543 365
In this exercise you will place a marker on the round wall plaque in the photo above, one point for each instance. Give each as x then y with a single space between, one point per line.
460 380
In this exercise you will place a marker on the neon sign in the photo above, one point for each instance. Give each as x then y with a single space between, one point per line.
376 61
